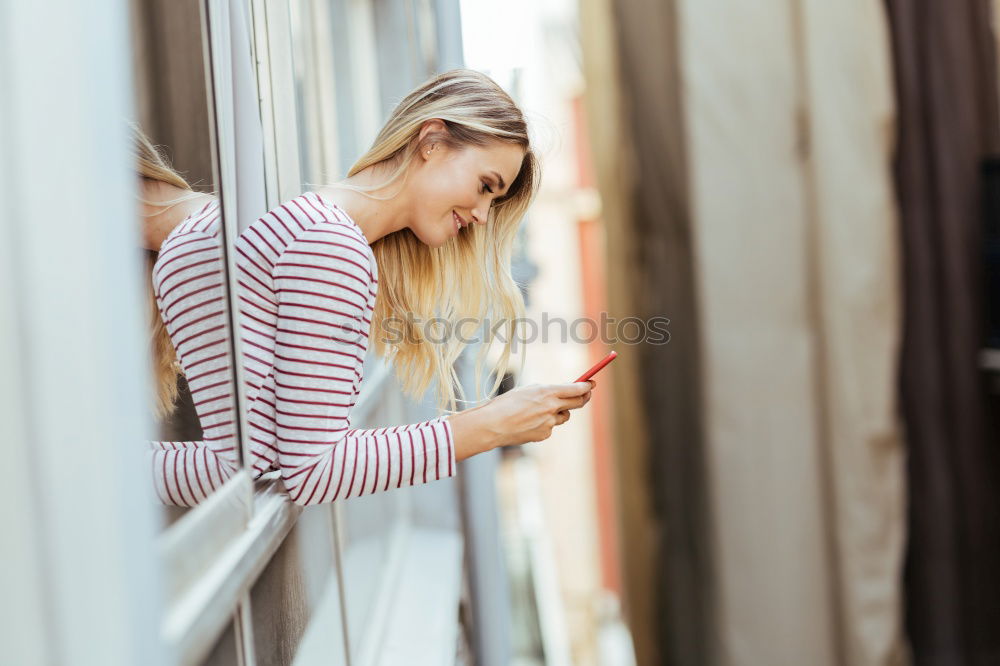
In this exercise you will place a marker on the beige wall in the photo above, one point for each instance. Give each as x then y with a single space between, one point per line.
611 150
783 180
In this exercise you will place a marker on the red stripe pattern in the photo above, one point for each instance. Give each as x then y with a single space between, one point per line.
307 286
189 287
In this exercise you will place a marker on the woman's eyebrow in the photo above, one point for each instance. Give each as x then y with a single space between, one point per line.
499 178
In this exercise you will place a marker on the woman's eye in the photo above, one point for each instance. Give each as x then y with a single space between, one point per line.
486 188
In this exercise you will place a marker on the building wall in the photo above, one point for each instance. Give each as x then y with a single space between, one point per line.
751 202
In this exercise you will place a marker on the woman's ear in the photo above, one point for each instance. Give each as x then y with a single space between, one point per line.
432 126
427 138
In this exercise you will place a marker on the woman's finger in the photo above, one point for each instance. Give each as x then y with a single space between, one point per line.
571 390
575 402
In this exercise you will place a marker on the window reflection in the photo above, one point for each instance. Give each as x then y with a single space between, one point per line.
194 449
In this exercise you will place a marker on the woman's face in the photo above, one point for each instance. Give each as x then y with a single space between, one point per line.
450 183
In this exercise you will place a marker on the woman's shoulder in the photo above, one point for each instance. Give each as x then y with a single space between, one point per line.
307 218
200 225
192 248
204 219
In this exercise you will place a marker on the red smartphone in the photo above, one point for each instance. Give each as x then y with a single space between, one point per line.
597 366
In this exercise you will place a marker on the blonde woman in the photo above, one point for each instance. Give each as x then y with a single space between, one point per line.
188 326
421 228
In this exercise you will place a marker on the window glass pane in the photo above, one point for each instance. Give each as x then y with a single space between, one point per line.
327 36
179 219
367 526
296 601
225 652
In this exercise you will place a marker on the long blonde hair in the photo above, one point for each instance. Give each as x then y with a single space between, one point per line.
150 164
468 280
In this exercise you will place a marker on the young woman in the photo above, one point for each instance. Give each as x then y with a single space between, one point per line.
422 228
188 326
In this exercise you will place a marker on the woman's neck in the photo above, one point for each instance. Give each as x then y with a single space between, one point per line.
376 217
159 215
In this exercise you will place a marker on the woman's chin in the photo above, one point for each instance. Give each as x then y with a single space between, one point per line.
437 236
437 240
449 234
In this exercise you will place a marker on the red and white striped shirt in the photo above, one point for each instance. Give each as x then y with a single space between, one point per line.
307 281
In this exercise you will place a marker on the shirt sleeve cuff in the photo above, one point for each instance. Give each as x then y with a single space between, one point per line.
450 444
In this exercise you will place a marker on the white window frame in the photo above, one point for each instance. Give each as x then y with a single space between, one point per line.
82 582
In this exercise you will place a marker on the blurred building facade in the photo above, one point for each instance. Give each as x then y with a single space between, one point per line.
797 187
558 497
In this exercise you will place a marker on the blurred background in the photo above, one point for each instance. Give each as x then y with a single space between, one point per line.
804 472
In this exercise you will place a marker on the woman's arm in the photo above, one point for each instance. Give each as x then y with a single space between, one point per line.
189 287
185 473
323 283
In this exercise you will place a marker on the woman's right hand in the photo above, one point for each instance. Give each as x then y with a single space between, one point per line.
525 414
529 413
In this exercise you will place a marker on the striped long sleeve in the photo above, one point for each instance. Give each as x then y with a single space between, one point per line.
185 473
190 294
306 282
323 287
